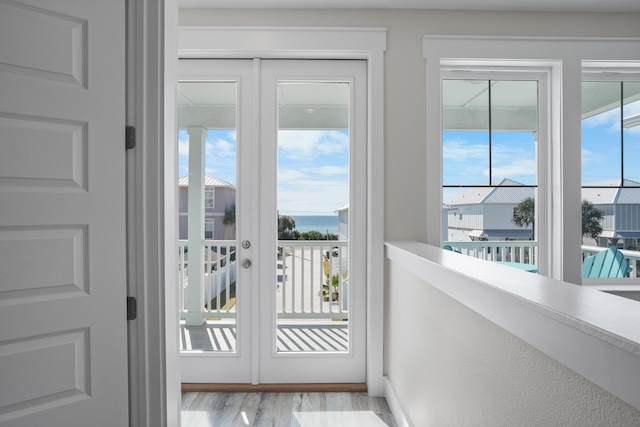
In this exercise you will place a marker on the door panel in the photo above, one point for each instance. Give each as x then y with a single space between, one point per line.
214 116
62 214
288 315
313 152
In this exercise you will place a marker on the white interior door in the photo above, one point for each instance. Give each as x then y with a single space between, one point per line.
247 320
63 354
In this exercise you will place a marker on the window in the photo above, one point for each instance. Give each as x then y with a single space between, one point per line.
610 160
490 137
208 228
208 198
559 146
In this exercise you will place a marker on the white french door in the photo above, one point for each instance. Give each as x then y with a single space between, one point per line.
287 138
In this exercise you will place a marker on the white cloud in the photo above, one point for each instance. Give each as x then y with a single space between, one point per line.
460 150
298 144
305 144
313 196
590 157
291 175
220 148
333 142
518 167
330 170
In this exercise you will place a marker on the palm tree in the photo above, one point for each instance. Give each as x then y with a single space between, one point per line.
591 217
525 214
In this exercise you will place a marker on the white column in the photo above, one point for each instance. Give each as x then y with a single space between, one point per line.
194 298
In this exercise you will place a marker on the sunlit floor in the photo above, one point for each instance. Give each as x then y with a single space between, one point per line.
292 336
285 409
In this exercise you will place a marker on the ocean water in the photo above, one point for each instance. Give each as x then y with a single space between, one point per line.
320 223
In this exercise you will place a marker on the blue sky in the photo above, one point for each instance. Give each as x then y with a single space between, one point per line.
313 167
466 154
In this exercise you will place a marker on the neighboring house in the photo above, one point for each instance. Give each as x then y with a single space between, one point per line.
621 210
485 213
219 195
343 222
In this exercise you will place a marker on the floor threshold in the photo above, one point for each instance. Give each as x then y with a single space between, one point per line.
275 388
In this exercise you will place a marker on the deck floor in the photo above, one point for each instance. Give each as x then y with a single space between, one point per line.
291 337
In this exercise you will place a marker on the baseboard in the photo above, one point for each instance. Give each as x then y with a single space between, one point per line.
275 388
394 404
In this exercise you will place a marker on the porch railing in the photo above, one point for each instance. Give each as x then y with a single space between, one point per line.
219 265
522 251
311 280
526 252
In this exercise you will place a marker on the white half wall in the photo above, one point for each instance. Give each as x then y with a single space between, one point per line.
450 366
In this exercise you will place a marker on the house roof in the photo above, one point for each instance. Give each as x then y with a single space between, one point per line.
496 234
209 181
605 193
506 191
610 192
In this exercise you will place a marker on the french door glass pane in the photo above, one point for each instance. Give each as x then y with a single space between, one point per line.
489 163
631 129
208 174
601 147
514 128
312 283
465 132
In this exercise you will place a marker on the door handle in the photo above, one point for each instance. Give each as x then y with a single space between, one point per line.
246 263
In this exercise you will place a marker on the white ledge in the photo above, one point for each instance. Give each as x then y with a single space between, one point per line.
593 333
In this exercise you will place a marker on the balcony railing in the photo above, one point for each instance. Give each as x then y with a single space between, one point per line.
526 252
311 279
521 251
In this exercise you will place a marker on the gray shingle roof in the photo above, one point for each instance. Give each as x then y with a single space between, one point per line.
500 194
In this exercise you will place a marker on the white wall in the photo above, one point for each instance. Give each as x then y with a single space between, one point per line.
452 367
405 86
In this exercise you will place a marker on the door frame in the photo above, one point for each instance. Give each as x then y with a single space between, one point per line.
151 51
305 43
153 48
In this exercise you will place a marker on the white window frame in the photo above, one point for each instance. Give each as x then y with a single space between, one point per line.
209 198
517 72
564 58
615 72
209 222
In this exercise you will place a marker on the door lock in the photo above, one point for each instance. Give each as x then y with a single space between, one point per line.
246 263
246 244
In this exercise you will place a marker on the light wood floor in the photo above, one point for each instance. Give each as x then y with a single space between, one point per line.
284 409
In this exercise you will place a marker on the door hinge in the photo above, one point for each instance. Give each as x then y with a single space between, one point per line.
132 308
130 137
